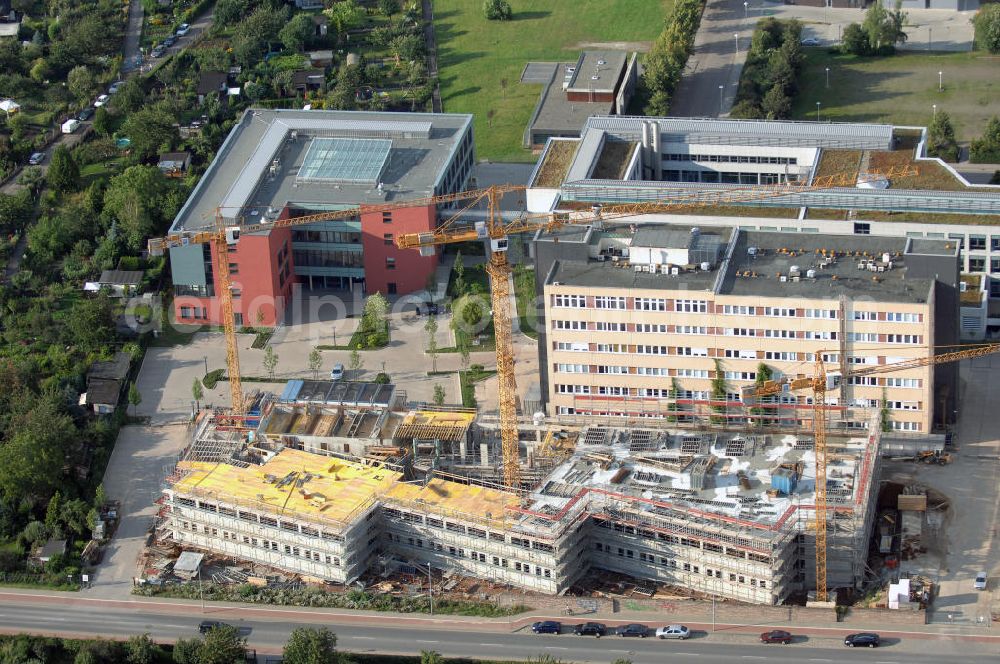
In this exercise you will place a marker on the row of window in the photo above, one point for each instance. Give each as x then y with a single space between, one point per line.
478 556
268 545
331 237
732 158
473 531
672 564
263 519
617 302
778 312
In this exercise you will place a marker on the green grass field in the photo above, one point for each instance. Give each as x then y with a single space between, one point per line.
475 55
901 89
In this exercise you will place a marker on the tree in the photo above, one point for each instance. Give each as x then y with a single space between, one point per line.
32 458
134 398
64 174
941 138
776 104
458 285
355 362
52 512
151 131
438 395
307 645
431 328
197 393
186 651
81 83
463 349
884 29
345 15
102 121
15 210
142 200
297 32
987 28
388 7
229 12
315 362
270 361
497 10
855 40
222 645
140 649
129 98
986 148
431 657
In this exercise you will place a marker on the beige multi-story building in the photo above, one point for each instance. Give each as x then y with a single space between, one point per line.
673 322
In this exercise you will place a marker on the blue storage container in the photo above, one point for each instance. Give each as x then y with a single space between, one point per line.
784 480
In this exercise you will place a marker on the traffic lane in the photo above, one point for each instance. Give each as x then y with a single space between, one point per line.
270 636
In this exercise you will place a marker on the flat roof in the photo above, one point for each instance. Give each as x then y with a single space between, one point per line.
332 489
258 169
597 71
754 264
558 114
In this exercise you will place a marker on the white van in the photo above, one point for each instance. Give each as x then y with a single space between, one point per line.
70 126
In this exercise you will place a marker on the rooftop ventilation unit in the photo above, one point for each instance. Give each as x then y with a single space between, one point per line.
602 62
706 266
751 251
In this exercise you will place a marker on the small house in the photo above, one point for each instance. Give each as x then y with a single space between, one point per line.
174 164
118 283
9 106
320 25
321 58
105 383
211 83
188 564
306 80
47 551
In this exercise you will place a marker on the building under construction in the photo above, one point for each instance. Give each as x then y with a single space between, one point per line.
722 513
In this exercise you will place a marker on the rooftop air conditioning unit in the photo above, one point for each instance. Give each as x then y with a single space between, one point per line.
638 268
664 269
963 286
706 266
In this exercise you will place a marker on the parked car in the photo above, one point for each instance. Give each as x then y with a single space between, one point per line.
590 629
170 41
776 636
546 627
101 101
157 52
115 87
183 29
85 114
810 41
673 632
337 372
862 640
634 629
207 626
979 583
36 158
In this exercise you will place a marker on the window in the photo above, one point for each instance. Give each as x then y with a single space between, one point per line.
387 239
779 312
865 315
570 301
609 302
904 338
572 325
650 304
572 368
390 263
862 229
234 269
390 287
690 329
692 373
977 243
977 265
691 306
830 314
788 356
692 352
387 217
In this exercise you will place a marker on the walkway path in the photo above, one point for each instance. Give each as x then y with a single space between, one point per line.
432 66
715 61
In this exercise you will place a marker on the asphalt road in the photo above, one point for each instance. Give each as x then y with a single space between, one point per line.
268 631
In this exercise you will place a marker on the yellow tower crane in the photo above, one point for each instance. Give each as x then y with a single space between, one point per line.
819 383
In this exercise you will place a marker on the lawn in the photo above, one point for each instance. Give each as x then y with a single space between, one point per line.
900 89
476 55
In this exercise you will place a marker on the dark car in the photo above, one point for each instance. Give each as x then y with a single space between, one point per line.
634 629
207 626
546 627
776 636
170 41
862 640
590 629
85 114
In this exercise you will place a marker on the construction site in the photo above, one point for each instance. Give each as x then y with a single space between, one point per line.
330 491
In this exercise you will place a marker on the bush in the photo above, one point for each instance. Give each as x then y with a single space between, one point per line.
986 149
987 22
383 378
665 62
768 80
497 10
212 378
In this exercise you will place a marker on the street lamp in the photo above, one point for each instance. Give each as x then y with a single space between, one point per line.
934 106
928 37
722 101
817 111
746 10
940 81
736 36
827 77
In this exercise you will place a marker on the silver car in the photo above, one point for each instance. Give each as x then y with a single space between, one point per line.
673 632
980 582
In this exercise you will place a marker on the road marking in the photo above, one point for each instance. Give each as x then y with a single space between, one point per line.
752 657
557 648
820 660
364 638
492 645
419 641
